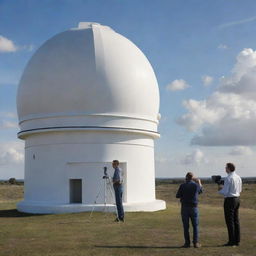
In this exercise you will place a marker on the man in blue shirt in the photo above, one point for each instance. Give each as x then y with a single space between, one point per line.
118 187
188 194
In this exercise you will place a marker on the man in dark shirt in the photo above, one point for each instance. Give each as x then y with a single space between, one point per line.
188 194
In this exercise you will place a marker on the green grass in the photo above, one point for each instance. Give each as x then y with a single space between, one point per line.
157 233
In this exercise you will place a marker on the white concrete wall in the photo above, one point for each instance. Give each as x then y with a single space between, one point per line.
51 159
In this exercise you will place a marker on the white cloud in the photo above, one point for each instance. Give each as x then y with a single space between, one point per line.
213 163
223 46
196 157
10 156
11 153
6 45
199 112
238 22
241 150
243 78
8 124
8 120
207 80
231 133
177 85
228 116
8 115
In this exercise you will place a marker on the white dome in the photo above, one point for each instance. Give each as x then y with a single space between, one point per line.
88 76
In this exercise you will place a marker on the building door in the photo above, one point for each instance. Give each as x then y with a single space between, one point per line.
75 186
93 186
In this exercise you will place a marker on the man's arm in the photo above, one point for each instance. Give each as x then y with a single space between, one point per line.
198 181
179 192
223 190
116 177
240 185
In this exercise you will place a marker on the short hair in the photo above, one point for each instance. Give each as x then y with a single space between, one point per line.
231 167
189 176
115 162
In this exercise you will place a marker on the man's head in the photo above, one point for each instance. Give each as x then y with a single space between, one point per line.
230 167
189 176
115 163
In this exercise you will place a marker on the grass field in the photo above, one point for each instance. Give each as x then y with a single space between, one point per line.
158 233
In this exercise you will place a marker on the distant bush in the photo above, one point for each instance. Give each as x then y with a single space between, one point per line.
12 181
163 181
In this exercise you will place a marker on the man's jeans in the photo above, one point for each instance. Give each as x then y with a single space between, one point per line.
119 203
188 212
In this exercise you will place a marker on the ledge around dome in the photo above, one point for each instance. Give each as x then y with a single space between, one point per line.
24 133
87 122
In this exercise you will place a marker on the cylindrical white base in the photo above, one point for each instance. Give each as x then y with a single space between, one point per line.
33 207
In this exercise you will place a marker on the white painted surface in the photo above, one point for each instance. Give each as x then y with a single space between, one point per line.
81 104
92 75
36 208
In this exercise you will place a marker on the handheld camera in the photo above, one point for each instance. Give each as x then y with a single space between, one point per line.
217 179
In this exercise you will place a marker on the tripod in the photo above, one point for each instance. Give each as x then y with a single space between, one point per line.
105 190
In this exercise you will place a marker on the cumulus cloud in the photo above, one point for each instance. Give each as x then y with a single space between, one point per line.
241 151
6 45
207 80
229 134
10 156
228 116
199 113
243 78
196 157
177 85
11 153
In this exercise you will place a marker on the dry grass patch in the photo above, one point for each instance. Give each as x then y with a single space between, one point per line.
157 233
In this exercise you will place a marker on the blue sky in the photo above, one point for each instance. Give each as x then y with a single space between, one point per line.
203 54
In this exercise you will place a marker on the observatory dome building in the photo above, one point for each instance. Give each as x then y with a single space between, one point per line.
88 96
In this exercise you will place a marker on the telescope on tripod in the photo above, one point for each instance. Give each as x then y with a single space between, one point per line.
106 189
105 173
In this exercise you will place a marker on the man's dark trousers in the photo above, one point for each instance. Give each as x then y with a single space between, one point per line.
119 203
189 212
231 207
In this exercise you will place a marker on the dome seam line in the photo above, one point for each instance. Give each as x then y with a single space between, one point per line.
86 127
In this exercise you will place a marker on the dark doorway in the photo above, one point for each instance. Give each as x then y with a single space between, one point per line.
75 186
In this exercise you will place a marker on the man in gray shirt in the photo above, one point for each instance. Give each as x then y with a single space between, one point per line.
118 188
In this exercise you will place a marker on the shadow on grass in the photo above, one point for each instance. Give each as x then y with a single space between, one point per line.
148 247
13 213
137 247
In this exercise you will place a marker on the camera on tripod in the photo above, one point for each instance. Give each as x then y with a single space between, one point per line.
218 180
105 173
